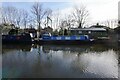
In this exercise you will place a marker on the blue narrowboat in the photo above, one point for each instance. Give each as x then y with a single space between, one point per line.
74 39
22 38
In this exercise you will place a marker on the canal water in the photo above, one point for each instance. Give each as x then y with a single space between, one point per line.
60 61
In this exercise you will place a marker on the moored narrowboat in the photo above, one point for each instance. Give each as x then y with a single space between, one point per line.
74 39
22 38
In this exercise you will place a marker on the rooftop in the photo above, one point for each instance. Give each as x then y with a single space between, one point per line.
89 29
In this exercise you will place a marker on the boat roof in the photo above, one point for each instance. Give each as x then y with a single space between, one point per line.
89 29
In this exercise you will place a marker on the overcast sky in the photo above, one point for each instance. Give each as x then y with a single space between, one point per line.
100 10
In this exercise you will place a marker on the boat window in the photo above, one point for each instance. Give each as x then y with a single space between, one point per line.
89 32
80 32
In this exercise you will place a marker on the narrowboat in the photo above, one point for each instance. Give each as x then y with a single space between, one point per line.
74 39
22 38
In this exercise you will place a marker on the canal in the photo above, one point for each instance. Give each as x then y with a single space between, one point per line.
60 61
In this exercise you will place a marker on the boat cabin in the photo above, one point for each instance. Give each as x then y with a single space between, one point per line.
93 31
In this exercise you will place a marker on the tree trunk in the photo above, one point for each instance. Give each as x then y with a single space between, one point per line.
38 30
80 25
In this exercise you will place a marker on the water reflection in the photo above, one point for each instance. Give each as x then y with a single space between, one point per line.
9 48
36 61
104 64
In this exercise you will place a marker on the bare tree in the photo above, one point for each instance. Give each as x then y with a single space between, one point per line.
18 17
25 18
70 21
39 12
80 15
111 23
4 15
57 19
49 12
49 17
11 15
1 15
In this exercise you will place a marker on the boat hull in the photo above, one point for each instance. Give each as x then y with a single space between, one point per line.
17 39
65 42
